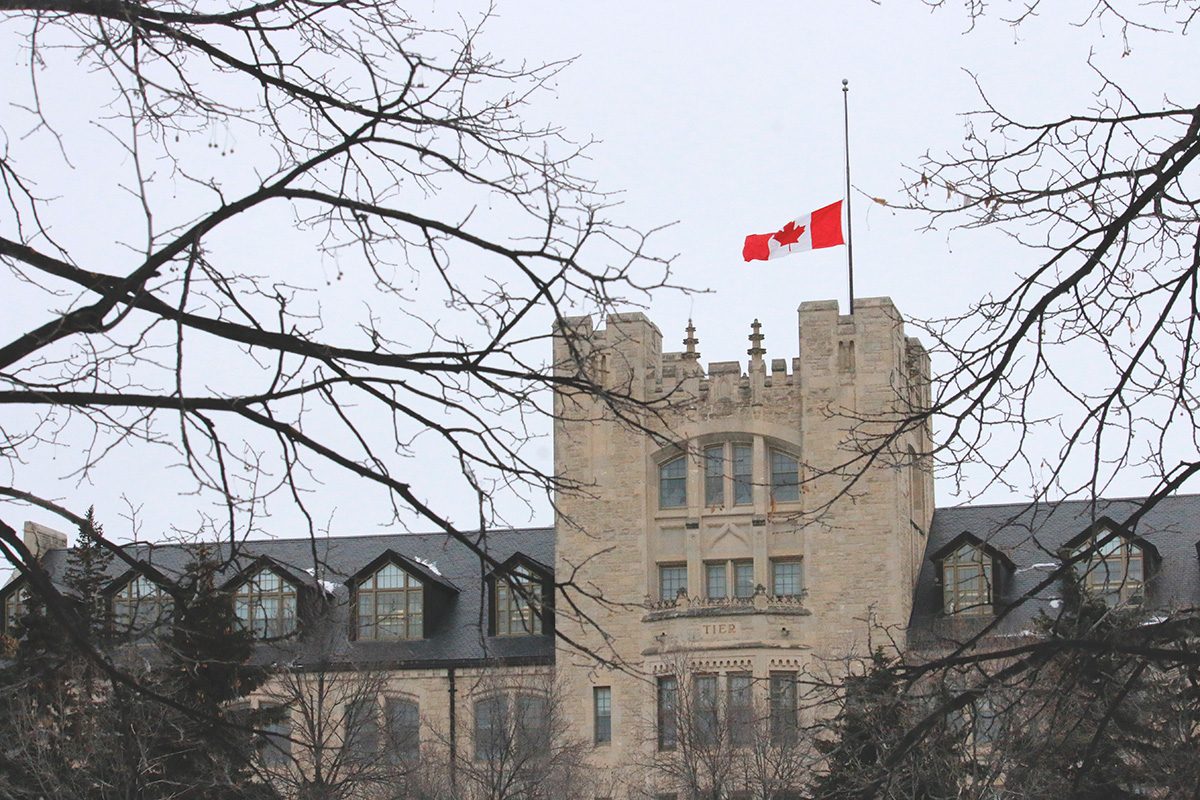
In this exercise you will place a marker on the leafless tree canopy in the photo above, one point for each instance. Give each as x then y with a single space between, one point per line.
367 151
1092 349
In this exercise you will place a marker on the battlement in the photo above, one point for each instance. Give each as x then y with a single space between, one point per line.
868 349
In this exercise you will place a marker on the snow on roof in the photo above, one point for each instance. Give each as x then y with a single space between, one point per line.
429 565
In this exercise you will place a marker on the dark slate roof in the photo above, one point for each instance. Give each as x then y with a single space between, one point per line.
1030 537
458 637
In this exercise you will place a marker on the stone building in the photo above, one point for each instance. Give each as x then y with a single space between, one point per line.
735 528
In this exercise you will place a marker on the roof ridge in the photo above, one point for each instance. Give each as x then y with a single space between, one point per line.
1050 503
223 542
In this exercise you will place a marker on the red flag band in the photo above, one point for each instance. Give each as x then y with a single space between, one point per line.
821 228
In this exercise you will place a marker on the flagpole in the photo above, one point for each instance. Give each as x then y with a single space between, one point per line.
849 218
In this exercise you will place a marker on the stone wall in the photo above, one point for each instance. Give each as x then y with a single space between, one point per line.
857 527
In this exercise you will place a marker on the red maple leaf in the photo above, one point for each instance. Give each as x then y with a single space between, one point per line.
790 234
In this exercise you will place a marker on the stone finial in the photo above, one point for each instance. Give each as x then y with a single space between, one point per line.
756 351
690 353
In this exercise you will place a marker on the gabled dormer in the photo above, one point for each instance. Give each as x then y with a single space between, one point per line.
396 597
270 600
137 605
972 575
520 597
1115 563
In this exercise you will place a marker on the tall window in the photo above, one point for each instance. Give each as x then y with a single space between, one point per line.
14 609
741 708
266 605
668 695
275 748
515 614
714 475
490 726
403 729
516 727
361 717
1116 571
707 710
743 474
784 717
390 605
672 483
139 606
787 577
602 704
672 579
967 582
785 478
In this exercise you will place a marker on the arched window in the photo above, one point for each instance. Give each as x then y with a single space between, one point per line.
785 477
139 606
672 483
515 615
14 609
512 727
967 582
266 605
390 605
1115 571
403 719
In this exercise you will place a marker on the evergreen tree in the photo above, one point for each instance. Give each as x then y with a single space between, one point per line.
207 666
86 576
1085 725
875 714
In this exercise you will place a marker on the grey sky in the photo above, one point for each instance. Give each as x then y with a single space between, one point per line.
727 120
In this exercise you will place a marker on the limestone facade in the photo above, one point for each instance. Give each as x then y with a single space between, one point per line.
856 527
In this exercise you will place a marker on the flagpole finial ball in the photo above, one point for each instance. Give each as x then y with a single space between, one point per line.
845 83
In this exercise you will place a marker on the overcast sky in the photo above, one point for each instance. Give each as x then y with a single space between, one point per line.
726 119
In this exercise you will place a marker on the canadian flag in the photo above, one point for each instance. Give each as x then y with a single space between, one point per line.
821 228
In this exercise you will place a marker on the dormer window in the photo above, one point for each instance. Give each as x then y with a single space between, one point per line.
672 483
15 605
515 614
266 605
390 605
139 606
967 582
1116 570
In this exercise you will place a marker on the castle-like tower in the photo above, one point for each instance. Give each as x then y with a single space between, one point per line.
736 524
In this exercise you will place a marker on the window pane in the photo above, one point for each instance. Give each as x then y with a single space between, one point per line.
667 731
967 582
515 614
784 723
714 581
672 484
785 478
532 729
362 727
671 581
743 578
707 708
602 703
741 708
275 748
489 728
403 729
714 475
743 474
786 580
